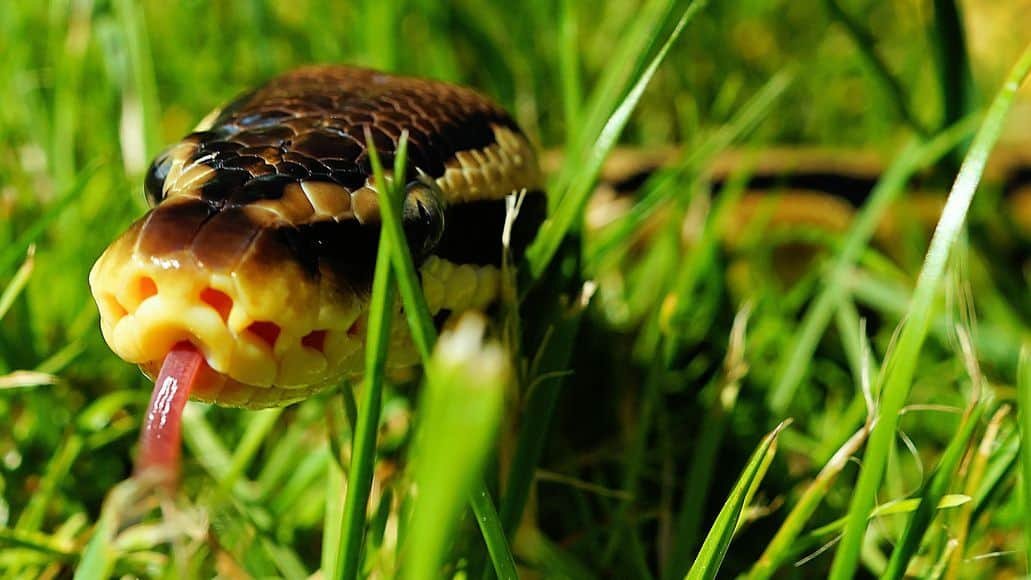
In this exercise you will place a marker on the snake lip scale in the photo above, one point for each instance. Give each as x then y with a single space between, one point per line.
261 241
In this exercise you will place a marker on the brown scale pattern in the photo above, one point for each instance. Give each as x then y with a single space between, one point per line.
311 124
307 126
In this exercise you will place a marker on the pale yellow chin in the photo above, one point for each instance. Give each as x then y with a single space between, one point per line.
286 332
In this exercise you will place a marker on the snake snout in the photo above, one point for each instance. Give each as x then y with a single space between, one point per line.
226 281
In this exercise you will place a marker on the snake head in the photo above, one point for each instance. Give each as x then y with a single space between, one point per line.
261 243
276 307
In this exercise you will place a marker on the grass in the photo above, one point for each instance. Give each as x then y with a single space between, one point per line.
625 415
900 365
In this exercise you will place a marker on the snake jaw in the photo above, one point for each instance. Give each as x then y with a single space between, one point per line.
272 334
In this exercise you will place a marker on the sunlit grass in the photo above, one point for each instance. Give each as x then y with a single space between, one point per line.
900 365
649 365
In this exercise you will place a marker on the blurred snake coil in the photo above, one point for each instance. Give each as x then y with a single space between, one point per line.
261 243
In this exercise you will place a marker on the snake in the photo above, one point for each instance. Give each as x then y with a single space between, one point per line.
248 281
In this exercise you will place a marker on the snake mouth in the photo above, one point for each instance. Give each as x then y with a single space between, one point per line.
269 332
272 328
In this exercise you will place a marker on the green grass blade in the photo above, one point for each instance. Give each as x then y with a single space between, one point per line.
998 474
348 556
940 481
901 362
57 470
631 50
960 525
382 25
783 542
865 42
141 94
894 508
714 548
699 477
35 541
424 333
1024 420
17 283
664 184
100 555
994 344
793 363
313 467
493 532
287 562
258 427
70 57
459 413
204 443
539 408
331 524
569 72
573 199
955 81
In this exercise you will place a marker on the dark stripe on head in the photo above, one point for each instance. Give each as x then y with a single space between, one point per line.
345 250
472 231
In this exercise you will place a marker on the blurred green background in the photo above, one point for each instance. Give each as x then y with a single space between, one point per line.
91 90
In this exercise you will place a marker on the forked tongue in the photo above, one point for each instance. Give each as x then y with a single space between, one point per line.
160 439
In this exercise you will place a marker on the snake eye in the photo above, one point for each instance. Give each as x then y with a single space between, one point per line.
423 217
154 182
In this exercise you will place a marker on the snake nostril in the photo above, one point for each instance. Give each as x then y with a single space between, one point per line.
220 301
315 339
147 287
267 331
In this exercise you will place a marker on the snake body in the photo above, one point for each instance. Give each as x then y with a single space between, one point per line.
260 245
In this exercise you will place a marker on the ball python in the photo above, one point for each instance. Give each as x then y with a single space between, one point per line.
247 283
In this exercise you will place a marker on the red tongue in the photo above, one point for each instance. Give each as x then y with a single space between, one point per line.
162 428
